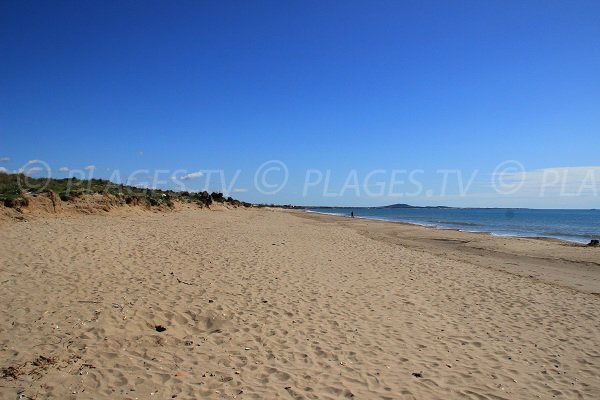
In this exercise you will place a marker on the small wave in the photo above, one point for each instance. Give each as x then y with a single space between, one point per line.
565 237
459 223
326 213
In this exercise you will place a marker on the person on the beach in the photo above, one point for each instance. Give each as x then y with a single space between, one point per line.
351 214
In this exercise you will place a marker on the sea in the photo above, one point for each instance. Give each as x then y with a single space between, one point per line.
571 225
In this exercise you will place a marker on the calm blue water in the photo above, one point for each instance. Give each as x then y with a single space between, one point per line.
573 225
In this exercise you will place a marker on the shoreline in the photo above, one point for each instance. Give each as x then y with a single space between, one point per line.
432 226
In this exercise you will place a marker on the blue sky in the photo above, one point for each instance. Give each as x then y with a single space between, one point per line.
319 85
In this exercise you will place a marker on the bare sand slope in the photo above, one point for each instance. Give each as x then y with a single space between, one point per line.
261 304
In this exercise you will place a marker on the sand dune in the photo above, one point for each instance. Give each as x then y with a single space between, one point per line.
262 304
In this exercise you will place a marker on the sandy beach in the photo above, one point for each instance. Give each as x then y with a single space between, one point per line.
264 304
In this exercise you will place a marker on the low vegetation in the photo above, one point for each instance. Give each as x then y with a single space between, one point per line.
16 188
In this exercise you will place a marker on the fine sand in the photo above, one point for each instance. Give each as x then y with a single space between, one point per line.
264 304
